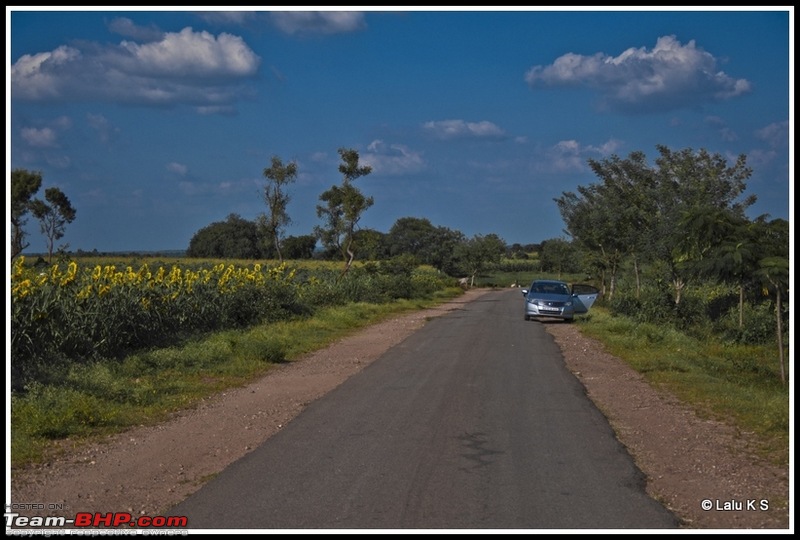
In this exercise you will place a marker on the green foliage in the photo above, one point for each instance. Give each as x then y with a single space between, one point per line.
760 327
234 238
343 207
705 310
299 247
478 253
511 266
559 256
274 222
54 213
675 213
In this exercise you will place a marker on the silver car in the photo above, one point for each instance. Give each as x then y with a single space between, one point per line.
553 299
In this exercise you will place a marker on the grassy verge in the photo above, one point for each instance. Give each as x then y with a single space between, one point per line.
98 399
739 384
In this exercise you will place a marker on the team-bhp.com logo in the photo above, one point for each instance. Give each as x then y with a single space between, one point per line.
88 520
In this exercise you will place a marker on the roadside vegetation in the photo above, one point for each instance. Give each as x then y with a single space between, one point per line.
99 349
694 295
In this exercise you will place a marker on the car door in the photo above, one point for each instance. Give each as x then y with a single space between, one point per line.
583 296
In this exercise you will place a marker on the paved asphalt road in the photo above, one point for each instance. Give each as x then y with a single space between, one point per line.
473 422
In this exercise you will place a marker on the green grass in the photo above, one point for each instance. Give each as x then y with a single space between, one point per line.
106 397
738 384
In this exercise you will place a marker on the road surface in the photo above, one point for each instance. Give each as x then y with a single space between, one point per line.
471 423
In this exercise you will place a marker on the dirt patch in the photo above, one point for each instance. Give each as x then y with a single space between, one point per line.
149 469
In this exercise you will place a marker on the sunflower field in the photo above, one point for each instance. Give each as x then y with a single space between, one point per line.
72 313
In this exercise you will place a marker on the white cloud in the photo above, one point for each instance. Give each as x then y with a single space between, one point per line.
318 22
222 110
392 159
451 129
38 76
228 17
189 53
100 124
669 76
40 138
725 132
776 134
570 155
177 168
126 27
63 122
187 66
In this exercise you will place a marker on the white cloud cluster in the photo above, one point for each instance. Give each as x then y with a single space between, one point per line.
572 156
392 159
183 67
189 54
669 76
775 134
100 124
451 129
40 138
126 27
237 18
177 168
317 22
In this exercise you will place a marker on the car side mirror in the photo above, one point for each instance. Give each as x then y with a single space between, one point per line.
524 292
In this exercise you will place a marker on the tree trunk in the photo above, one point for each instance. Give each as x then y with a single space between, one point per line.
348 260
741 306
780 335
278 248
679 284
612 286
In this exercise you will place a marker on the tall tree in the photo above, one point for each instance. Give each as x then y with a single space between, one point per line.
637 210
559 255
24 185
234 238
723 246
278 176
773 273
612 217
54 213
592 223
687 180
343 208
300 247
477 253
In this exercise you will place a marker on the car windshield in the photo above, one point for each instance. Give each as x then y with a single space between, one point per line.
550 288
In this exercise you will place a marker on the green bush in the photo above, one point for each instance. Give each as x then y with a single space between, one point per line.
759 324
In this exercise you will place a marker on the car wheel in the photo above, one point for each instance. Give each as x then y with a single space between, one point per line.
527 317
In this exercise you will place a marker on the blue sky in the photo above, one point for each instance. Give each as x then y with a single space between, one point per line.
158 123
